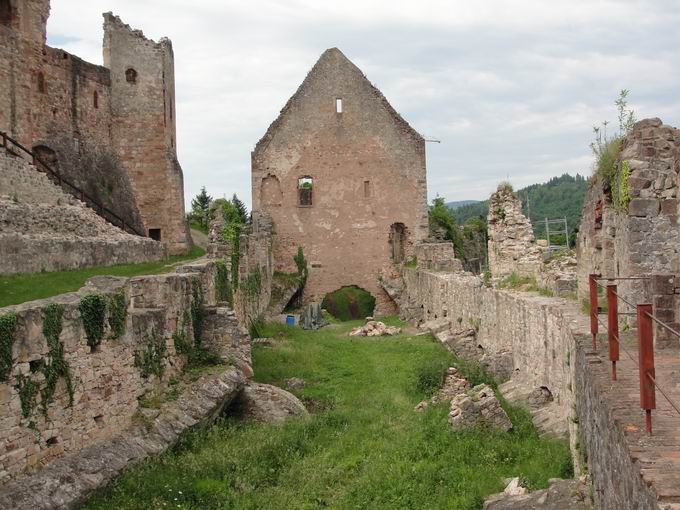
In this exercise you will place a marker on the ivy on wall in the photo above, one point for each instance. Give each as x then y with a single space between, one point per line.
7 328
223 290
179 337
197 312
252 286
620 186
117 305
56 366
151 359
28 390
92 309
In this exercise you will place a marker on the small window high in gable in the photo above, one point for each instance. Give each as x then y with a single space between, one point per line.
338 105
305 189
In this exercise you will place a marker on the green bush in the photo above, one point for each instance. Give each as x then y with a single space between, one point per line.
92 309
349 303
7 326
117 314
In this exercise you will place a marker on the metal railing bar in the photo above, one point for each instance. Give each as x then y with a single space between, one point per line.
618 340
658 387
662 324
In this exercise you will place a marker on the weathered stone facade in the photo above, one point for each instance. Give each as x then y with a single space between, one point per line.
111 136
110 376
42 228
639 238
512 245
343 176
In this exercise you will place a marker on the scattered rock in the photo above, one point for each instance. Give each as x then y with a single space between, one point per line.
267 342
375 328
514 487
268 404
295 383
539 397
560 495
479 404
453 385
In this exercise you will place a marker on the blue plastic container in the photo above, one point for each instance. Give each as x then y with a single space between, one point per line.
290 320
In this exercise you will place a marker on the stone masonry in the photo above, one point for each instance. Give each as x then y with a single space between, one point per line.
42 228
110 130
108 379
512 245
343 176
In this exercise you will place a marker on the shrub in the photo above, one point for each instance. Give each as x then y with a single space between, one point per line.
92 309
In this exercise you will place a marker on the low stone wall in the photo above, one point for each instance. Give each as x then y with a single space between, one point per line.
549 342
73 367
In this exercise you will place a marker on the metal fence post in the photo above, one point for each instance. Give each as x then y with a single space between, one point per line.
646 359
593 308
613 327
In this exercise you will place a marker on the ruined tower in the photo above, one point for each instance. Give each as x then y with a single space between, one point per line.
111 137
342 175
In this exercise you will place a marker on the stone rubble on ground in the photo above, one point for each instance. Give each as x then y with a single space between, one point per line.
453 385
295 383
267 404
560 495
375 328
478 404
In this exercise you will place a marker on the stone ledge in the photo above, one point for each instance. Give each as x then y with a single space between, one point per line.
66 482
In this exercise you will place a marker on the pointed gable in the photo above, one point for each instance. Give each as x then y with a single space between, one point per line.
334 58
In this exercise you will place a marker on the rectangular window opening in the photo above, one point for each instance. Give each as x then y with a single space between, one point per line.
367 189
155 234
338 105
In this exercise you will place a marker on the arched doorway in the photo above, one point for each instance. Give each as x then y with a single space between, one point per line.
349 303
5 13
270 191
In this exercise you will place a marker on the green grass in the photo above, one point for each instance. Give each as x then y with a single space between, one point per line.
197 226
349 303
19 288
364 447
516 281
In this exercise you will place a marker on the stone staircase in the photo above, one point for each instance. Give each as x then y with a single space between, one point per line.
43 228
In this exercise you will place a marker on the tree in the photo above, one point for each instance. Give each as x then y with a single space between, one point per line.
200 208
241 208
441 218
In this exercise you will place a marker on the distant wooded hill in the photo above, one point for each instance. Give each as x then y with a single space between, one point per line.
558 198
460 203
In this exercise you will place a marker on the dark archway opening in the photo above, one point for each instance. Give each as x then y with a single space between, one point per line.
397 242
5 13
349 303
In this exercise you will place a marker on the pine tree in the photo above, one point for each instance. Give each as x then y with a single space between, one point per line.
241 208
200 208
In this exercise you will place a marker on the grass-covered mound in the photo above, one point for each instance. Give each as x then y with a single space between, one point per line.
363 446
349 303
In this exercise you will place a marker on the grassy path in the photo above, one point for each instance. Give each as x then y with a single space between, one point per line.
19 288
363 448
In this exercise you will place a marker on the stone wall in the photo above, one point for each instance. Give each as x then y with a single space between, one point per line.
639 238
437 256
549 343
367 171
43 228
107 378
69 111
512 246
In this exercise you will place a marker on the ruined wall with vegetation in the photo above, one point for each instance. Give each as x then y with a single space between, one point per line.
76 369
547 340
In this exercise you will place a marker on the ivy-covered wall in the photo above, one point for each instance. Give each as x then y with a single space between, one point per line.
74 367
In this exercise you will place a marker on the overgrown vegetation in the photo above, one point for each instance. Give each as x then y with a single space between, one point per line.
151 358
231 234
301 263
8 324
117 308
19 288
28 390
442 221
223 290
362 447
516 281
55 367
612 173
197 311
349 303
92 308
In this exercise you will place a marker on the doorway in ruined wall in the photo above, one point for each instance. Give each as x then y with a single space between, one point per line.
270 191
398 237
349 303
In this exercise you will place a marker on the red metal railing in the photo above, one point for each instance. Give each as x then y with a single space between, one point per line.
645 341
41 166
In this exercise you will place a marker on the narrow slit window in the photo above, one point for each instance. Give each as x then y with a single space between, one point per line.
338 105
96 99
367 189
305 190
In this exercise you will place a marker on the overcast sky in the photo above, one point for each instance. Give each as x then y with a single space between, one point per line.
512 88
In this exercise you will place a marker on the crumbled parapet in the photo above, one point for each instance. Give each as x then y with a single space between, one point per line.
267 404
311 317
453 385
478 405
375 328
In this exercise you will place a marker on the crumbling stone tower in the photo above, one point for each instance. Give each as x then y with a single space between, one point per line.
512 245
343 176
109 130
